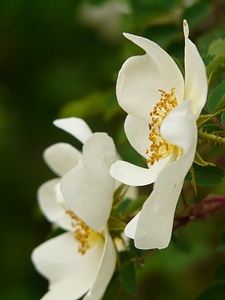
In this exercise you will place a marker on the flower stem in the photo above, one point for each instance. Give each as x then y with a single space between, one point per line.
211 136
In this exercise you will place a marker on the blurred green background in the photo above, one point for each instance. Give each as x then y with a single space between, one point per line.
60 58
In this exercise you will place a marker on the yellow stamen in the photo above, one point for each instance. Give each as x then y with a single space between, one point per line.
85 236
159 148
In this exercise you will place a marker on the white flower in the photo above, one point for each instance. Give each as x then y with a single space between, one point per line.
162 109
82 260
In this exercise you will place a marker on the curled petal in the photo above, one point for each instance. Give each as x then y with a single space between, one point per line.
61 157
130 229
70 273
141 78
155 221
133 175
52 204
137 132
179 128
105 271
195 75
88 188
75 126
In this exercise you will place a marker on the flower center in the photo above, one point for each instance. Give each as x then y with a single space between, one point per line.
85 236
159 148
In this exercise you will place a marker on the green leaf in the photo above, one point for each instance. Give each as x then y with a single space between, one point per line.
203 119
115 224
119 194
216 99
201 162
223 119
206 175
214 65
215 292
136 205
128 279
217 48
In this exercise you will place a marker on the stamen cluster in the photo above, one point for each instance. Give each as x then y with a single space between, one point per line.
159 148
83 233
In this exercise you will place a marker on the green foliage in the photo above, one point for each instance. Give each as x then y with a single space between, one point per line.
171 33
223 119
95 104
215 292
181 241
113 289
197 13
217 48
98 2
215 65
217 289
134 206
221 245
128 278
156 5
215 136
203 118
216 100
53 66
216 57
220 273
90 105
201 162
119 194
206 175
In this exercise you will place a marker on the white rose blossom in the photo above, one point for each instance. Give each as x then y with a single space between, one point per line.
81 261
162 108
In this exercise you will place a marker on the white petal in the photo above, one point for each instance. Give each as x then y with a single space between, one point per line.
88 188
105 271
154 226
52 204
61 157
137 132
179 128
99 153
195 75
75 126
141 78
136 176
70 273
131 227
